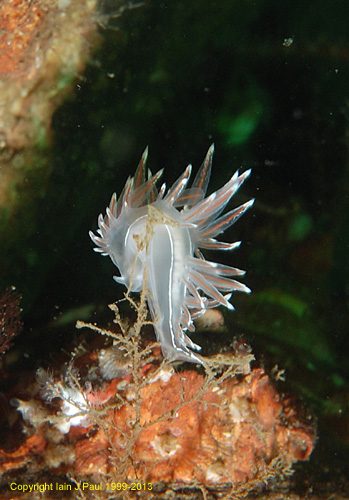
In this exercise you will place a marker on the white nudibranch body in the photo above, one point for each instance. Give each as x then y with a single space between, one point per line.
157 237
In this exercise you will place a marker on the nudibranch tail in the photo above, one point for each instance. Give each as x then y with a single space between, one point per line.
162 234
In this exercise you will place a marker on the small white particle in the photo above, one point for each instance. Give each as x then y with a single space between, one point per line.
288 42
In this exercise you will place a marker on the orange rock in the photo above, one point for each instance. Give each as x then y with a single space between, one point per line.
34 445
175 428
224 435
44 46
19 23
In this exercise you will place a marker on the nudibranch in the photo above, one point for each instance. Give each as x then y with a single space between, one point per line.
155 237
